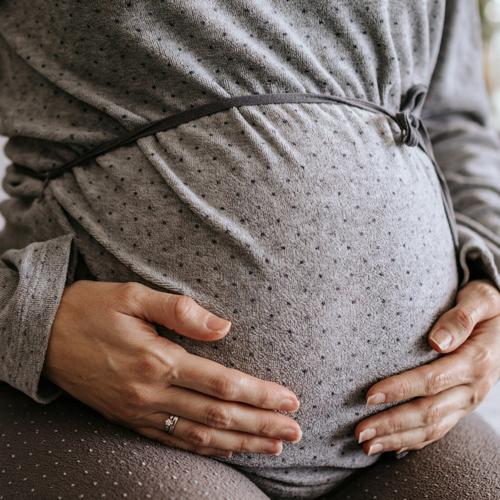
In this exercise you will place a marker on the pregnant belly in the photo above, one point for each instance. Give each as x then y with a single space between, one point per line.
332 259
322 239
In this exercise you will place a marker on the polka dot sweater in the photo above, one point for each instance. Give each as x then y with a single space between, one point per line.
311 227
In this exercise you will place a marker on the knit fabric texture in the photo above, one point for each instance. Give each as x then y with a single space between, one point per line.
311 227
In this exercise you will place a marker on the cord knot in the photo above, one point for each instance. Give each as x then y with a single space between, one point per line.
409 127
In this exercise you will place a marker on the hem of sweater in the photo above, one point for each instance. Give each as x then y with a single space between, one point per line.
328 473
40 292
268 464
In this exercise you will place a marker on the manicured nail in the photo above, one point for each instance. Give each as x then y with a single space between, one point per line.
442 338
227 454
273 448
366 435
376 399
289 405
375 448
216 324
292 435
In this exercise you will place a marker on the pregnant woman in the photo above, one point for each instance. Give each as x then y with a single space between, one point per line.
289 256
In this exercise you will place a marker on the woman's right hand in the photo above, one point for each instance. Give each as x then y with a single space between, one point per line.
105 351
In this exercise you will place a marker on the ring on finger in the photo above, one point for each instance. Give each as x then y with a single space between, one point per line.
170 424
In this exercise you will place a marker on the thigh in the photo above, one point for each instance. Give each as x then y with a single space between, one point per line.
67 450
464 464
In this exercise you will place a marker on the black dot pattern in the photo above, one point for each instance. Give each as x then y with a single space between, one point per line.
327 293
311 227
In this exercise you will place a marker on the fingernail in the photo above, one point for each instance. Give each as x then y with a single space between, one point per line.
403 454
273 448
401 450
227 454
376 399
216 324
366 435
442 339
292 435
375 448
289 405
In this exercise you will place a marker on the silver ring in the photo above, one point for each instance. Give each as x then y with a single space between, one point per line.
170 424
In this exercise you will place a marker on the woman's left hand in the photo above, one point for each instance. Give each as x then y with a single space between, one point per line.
446 389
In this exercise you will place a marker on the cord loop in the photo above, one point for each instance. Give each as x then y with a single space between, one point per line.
409 126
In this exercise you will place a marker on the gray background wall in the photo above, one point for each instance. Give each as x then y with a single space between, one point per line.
490 409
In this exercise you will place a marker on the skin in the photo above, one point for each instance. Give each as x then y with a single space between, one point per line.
104 351
114 361
447 389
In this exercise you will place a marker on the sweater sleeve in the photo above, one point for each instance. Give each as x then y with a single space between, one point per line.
456 114
32 280
37 260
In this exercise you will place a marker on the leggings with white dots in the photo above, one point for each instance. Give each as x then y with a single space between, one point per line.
66 450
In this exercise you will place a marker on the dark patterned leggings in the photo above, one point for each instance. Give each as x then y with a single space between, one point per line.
66 450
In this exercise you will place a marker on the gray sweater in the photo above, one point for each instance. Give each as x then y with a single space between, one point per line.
310 226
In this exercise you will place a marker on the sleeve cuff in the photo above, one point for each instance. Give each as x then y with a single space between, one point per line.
42 271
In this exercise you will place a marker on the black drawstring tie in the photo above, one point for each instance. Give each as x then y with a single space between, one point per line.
413 131
46 182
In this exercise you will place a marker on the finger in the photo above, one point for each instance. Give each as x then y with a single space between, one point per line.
416 447
203 436
479 300
216 380
226 415
176 312
421 412
452 370
413 437
175 442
